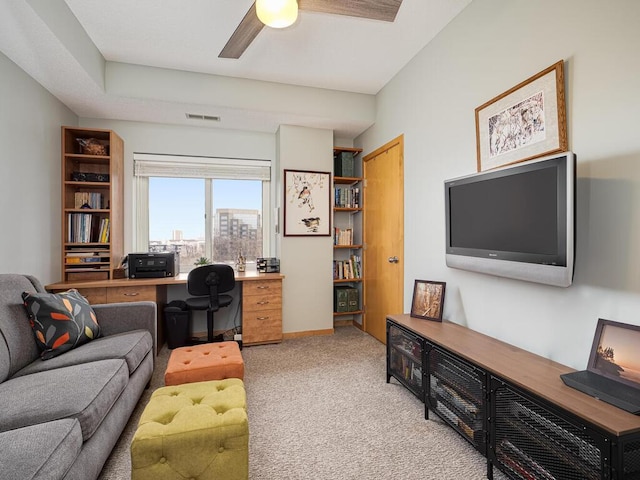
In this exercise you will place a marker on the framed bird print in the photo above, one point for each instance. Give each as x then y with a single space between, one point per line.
307 203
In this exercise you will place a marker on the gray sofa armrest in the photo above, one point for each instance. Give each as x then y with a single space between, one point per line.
126 316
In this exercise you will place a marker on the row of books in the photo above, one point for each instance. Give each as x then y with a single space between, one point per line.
347 269
87 228
77 257
347 197
88 199
103 236
342 236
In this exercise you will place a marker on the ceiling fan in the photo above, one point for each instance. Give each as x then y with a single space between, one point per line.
250 25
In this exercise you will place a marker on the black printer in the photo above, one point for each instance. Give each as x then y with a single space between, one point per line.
153 265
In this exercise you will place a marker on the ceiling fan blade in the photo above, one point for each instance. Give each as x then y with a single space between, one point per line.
248 29
384 10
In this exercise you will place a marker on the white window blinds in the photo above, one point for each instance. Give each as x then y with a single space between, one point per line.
152 165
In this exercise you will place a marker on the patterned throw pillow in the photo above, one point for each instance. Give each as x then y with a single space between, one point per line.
60 321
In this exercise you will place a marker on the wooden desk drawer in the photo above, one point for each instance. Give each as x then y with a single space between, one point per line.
262 287
94 295
262 327
257 303
131 294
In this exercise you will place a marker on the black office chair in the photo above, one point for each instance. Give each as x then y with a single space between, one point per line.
208 283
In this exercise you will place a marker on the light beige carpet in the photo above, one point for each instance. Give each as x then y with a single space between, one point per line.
320 409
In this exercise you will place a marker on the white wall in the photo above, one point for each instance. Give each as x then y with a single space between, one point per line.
307 262
30 170
490 47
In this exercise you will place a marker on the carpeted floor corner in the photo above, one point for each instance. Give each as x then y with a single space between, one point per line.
320 409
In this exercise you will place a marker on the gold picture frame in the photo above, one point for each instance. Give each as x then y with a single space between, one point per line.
428 300
525 122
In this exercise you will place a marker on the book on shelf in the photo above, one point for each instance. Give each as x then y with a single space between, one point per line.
342 236
92 200
347 269
80 257
337 269
77 260
347 197
104 231
87 228
356 265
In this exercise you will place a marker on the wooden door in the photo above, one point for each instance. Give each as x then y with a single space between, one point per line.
383 227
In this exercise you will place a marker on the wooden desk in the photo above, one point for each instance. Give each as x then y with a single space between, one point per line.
261 300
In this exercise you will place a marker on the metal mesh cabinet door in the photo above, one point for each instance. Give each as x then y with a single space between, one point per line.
404 358
530 440
629 464
456 392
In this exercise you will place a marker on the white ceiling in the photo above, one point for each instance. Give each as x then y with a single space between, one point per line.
320 50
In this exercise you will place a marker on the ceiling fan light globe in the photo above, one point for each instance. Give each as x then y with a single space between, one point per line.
277 13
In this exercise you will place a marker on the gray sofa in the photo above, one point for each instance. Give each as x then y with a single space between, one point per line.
60 418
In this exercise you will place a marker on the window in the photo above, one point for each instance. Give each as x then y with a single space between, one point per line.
183 206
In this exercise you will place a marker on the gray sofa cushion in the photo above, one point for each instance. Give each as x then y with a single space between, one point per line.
18 346
132 347
40 452
86 392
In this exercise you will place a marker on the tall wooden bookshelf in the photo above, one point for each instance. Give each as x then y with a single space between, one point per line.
347 240
92 203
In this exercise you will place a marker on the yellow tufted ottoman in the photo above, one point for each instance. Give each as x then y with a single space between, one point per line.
210 361
193 431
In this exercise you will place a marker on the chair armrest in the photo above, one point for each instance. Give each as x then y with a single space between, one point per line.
126 316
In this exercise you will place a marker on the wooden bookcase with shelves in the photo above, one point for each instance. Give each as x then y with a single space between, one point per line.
92 203
347 238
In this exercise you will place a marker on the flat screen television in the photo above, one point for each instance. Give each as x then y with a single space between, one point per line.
516 222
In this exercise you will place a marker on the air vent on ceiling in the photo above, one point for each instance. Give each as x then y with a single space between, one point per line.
197 116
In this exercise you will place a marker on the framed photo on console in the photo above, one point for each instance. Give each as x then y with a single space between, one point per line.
428 300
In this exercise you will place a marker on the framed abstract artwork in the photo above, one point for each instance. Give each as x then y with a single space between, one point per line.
307 203
525 122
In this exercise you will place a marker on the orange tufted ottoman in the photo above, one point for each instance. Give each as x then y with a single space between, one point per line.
210 361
